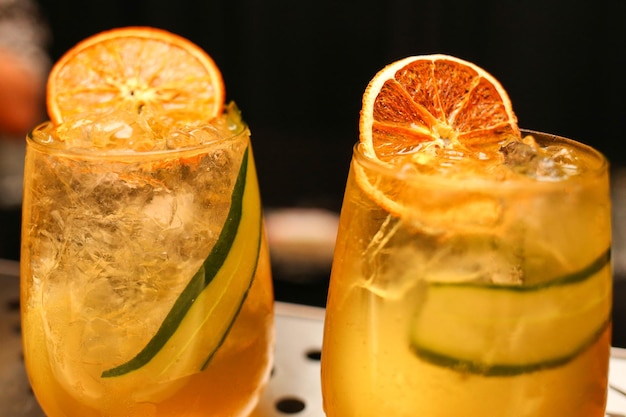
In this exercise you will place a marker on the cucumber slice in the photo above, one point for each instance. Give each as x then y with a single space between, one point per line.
508 330
203 314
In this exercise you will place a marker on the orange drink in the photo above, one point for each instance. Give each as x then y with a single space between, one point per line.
146 286
472 273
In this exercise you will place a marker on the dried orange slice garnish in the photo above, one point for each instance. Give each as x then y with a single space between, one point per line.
434 101
136 69
434 114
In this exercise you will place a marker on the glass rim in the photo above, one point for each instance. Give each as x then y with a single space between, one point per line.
598 169
53 148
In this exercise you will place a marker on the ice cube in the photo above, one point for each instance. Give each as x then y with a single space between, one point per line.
549 163
518 155
474 258
169 210
108 130
192 135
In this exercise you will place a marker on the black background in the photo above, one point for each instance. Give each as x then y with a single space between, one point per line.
298 69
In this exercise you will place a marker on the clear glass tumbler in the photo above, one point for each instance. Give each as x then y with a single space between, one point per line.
472 291
146 283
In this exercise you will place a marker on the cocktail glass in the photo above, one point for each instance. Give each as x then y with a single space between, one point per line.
146 286
472 290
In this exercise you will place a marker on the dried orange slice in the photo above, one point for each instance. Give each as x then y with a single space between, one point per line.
434 113
136 69
434 101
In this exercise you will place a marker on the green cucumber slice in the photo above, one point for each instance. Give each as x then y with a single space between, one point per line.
203 314
504 330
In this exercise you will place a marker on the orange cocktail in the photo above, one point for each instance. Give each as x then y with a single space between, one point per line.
146 286
472 271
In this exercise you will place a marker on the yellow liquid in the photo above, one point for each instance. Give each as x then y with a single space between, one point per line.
379 284
107 250
369 370
229 386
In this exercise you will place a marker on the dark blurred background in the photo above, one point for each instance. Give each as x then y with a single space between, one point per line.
298 68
